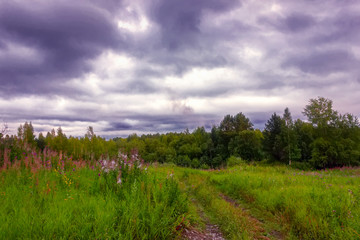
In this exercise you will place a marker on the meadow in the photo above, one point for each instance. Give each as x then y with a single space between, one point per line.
279 202
50 196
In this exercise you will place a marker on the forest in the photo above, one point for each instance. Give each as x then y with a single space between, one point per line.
326 140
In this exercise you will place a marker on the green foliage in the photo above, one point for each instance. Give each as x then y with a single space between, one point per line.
328 140
320 113
304 133
80 204
234 161
328 207
272 141
247 145
230 219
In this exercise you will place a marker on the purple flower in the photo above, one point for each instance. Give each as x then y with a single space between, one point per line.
99 174
73 169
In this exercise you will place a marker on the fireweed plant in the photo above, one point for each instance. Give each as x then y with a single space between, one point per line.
48 195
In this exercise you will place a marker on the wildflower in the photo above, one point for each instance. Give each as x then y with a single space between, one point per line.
119 181
99 174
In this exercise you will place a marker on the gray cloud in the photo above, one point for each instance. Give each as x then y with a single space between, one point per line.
56 39
323 63
118 126
273 53
295 22
180 20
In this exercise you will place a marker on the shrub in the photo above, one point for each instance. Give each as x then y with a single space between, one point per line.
233 161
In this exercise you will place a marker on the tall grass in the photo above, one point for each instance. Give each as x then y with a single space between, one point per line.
62 200
318 204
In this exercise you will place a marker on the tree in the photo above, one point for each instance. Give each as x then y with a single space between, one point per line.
230 127
272 134
60 141
90 132
337 136
26 133
320 113
3 130
40 142
293 152
305 136
20 132
247 145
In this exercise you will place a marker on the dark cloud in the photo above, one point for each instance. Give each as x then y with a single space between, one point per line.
294 22
36 116
174 122
323 63
341 28
118 126
259 118
61 38
298 22
180 20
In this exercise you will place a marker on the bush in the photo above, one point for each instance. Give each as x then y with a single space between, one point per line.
195 163
302 166
233 161
204 166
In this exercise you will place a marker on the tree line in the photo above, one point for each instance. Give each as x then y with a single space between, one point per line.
326 139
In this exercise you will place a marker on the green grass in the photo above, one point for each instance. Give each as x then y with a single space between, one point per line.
316 205
84 205
231 220
245 201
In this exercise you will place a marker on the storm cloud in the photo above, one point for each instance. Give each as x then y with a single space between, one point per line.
45 45
167 65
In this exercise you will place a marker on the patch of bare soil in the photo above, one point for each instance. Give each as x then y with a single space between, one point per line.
212 232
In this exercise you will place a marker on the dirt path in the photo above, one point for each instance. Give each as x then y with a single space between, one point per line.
238 220
258 223
211 231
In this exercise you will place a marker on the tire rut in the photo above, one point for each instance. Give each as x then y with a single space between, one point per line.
258 223
211 231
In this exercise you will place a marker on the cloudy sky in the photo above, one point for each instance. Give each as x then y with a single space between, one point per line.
125 66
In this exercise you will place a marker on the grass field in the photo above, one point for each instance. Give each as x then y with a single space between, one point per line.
63 201
279 202
56 198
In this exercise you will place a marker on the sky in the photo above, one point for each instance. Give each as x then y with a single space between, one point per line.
148 66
